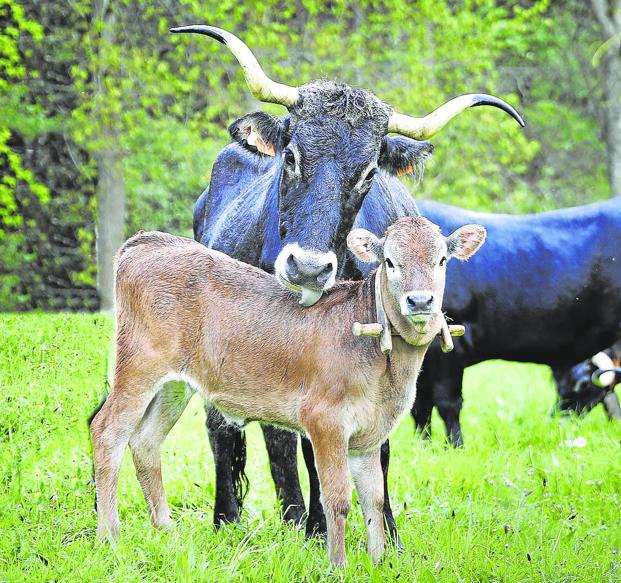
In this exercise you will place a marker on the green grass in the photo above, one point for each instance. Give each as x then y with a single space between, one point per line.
518 503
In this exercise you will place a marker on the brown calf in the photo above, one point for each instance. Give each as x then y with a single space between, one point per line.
240 339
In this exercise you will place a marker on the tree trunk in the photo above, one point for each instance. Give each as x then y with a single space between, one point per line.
613 119
608 13
109 231
111 182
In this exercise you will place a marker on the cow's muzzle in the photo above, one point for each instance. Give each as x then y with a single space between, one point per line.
306 271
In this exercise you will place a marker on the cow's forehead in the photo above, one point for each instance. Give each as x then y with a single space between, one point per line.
351 104
331 137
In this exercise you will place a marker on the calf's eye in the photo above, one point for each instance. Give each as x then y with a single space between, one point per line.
389 264
442 261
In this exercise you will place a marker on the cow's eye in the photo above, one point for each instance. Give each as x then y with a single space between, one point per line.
370 174
442 261
289 158
389 264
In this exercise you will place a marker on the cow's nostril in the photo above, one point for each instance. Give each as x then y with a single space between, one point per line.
325 273
292 268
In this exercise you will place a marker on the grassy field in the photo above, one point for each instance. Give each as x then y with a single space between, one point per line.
530 498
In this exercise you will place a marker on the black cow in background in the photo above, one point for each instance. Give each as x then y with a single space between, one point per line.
283 197
582 387
545 289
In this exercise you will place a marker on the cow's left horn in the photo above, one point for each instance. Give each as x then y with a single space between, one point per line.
422 128
260 85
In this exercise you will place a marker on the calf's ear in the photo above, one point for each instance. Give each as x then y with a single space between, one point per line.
465 241
365 245
259 132
400 156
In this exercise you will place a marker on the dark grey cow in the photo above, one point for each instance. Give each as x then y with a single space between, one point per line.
283 197
546 289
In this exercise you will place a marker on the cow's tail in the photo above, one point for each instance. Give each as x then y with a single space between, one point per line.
240 480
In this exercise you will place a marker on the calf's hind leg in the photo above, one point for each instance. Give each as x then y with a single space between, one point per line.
111 429
145 444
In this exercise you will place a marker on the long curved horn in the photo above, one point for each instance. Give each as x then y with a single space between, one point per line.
603 362
260 85
422 128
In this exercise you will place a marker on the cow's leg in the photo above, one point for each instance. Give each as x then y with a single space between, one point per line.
423 405
366 470
228 444
316 521
145 443
388 517
111 430
282 451
448 398
330 449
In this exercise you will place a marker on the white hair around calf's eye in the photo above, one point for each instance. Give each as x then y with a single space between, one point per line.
464 242
365 245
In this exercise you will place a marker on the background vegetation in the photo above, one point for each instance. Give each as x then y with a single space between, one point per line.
531 497
109 124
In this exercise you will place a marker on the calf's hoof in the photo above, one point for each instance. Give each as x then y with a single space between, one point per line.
338 562
166 523
107 533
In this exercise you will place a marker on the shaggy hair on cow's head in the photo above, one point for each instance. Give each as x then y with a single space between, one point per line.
325 97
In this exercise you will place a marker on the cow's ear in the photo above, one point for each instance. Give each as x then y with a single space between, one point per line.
365 245
400 156
259 132
465 241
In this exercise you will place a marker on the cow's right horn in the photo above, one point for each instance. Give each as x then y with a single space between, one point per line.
422 128
603 362
260 85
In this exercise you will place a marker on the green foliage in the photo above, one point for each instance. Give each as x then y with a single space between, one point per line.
521 502
163 102
14 177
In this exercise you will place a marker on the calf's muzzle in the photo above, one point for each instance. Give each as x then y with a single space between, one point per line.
418 303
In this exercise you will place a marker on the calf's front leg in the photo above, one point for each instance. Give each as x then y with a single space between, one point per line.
330 449
367 472
316 520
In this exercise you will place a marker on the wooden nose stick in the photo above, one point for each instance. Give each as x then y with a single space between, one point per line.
457 329
373 330
446 342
